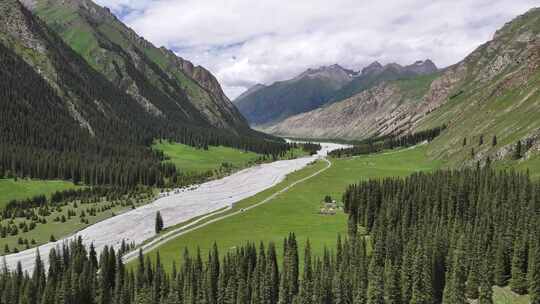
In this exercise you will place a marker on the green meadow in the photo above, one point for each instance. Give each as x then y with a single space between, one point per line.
297 210
191 159
11 189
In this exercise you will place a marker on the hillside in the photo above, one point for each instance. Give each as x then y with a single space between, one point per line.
62 119
155 77
492 92
380 110
268 105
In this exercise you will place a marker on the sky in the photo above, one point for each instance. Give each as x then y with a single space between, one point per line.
245 42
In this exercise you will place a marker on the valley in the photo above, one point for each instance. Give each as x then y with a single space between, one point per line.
297 209
227 158
137 225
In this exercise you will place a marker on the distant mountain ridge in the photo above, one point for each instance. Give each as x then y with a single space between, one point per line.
268 105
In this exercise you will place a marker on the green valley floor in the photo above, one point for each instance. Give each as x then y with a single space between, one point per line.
298 210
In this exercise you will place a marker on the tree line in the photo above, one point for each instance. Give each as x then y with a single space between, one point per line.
378 144
43 136
445 237
453 234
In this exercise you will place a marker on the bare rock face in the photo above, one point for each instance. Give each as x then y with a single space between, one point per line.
16 24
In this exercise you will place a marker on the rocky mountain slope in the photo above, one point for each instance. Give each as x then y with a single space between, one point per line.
493 92
155 77
314 88
380 110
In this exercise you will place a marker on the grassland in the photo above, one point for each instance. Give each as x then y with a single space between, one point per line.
506 296
298 209
191 159
26 188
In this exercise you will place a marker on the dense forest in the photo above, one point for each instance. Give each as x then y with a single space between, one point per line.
443 237
378 144
49 143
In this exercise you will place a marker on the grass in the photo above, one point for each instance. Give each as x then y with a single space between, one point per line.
27 188
506 296
297 210
414 88
190 159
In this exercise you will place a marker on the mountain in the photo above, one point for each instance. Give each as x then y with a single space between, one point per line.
317 87
494 91
376 73
61 118
155 77
307 91
375 111
249 91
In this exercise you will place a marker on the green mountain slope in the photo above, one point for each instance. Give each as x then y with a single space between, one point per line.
156 78
493 92
62 119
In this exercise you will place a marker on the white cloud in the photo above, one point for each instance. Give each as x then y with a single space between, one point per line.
245 42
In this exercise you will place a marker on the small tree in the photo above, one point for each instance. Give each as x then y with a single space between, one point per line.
517 151
481 140
494 141
464 141
159 223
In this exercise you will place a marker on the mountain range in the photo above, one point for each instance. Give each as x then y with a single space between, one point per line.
267 105
493 92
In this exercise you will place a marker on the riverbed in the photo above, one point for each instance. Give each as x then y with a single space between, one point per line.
137 225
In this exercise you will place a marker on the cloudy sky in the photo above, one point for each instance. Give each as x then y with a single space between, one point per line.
244 42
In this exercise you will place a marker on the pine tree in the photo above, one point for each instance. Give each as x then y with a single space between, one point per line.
473 280
305 295
159 223
455 287
534 276
375 290
391 284
518 281
502 267
421 288
517 150
485 295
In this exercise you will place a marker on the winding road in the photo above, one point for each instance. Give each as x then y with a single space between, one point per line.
208 199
